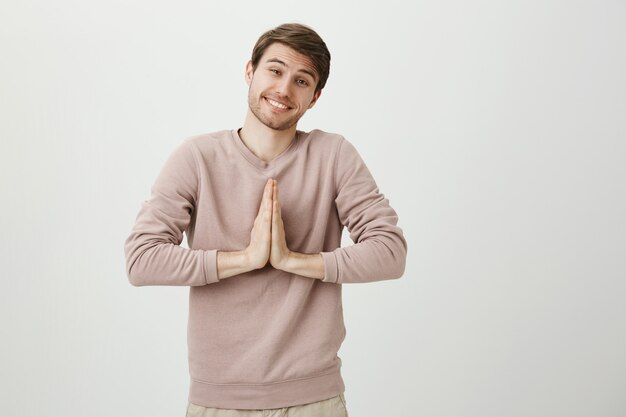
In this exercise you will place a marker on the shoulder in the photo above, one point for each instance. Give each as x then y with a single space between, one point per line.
201 145
336 144
329 143
323 136
204 140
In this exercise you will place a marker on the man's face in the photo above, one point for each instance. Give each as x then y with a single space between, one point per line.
285 78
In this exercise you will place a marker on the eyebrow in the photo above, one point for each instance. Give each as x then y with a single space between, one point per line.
300 70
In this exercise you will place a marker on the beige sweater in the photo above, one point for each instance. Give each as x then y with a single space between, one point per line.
264 338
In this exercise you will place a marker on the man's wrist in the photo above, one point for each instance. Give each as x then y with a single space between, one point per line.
232 263
286 264
304 264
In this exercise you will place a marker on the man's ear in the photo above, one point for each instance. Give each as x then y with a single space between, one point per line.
315 97
249 72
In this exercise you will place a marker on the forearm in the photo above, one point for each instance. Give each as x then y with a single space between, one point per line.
307 265
232 263
370 260
148 263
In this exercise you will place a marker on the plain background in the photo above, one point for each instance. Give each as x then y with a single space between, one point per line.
496 130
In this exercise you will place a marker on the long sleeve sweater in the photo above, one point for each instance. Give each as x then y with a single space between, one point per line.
265 338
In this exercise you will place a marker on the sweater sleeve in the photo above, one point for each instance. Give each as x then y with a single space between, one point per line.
380 249
153 252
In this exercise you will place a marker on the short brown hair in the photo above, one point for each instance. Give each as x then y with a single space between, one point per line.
303 40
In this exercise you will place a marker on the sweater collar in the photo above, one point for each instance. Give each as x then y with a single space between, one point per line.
258 162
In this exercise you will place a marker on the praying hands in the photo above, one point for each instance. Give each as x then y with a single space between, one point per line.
267 243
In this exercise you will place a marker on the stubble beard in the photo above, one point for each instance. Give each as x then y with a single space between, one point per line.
255 107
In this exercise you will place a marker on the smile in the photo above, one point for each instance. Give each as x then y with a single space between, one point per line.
276 104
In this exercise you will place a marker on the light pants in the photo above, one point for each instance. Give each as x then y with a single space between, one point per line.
332 407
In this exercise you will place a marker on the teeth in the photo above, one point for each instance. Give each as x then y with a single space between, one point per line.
276 104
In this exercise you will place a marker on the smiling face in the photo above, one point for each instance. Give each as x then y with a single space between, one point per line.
282 87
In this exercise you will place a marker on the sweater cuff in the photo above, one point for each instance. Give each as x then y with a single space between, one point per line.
210 266
330 267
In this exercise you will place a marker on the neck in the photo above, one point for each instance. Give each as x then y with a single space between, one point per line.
264 142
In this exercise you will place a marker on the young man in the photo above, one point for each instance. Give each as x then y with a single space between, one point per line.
263 207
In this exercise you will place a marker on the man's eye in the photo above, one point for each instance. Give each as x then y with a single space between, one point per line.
274 70
303 82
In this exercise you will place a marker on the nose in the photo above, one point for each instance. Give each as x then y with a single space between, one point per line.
283 86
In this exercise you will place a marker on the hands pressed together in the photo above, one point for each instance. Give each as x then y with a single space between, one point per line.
267 243
267 239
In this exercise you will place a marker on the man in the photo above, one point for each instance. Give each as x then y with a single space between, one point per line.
263 207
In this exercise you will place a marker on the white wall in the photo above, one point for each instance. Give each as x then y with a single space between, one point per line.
496 129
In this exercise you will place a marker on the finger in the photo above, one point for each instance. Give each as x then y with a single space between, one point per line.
275 212
276 220
268 188
276 201
274 225
266 196
277 217
273 189
267 204
278 208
